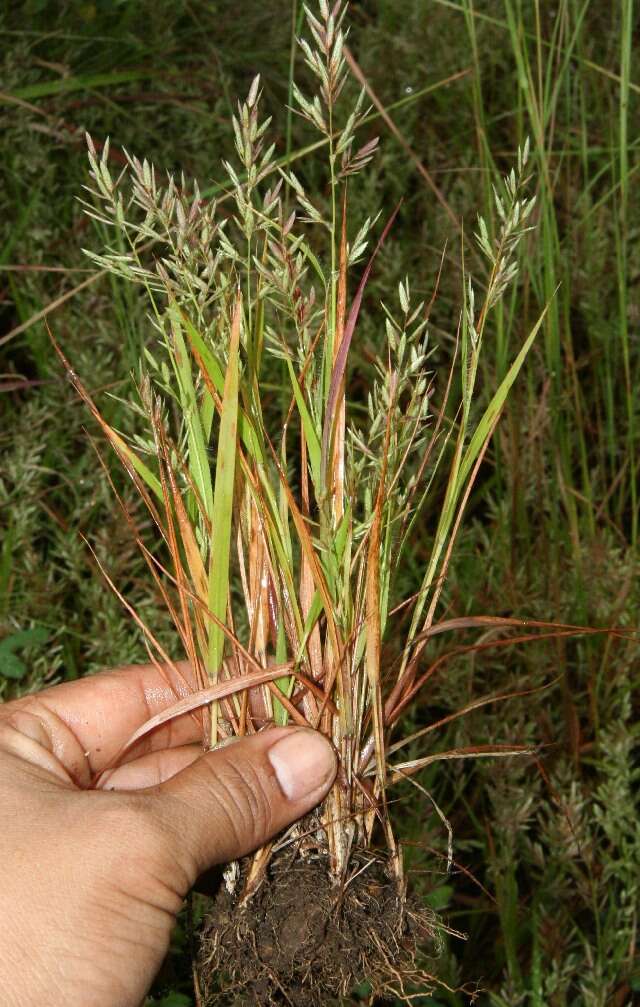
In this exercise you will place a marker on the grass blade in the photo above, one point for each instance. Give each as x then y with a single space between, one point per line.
496 404
222 514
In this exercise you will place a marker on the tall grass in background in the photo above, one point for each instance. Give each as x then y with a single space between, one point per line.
595 479
573 529
551 519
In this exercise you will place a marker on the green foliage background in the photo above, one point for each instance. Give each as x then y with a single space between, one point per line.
547 851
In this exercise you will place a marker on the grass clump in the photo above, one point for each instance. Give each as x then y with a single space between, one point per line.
285 509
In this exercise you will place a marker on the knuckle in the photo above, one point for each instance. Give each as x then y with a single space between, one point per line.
35 733
22 725
24 735
243 799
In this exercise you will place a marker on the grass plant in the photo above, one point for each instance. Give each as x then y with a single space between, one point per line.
310 509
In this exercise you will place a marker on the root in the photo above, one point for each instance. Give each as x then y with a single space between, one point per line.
302 943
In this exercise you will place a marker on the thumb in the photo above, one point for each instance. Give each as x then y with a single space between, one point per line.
232 800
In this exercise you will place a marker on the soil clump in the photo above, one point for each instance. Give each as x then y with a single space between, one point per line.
304 943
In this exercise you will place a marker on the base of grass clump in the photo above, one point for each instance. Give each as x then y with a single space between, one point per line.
304 942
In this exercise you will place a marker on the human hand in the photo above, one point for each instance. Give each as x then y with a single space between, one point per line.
91 880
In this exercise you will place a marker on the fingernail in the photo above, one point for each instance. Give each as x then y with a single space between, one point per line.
304 762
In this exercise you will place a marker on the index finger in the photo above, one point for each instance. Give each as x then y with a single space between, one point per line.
97 715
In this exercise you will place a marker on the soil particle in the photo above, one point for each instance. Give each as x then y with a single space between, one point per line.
305 943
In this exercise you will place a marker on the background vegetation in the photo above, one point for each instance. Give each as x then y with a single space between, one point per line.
547 850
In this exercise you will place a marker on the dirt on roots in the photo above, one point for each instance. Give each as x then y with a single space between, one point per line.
302 942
